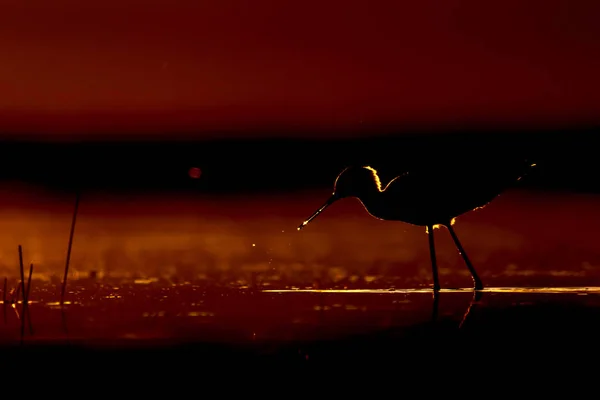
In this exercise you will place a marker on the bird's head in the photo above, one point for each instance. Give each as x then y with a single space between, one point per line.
356 182
351 182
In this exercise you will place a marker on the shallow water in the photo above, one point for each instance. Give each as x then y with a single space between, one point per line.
130 315
235 282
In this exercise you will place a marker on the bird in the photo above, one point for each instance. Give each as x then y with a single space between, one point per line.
428 197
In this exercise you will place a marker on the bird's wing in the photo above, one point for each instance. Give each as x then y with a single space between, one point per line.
420 186
446 178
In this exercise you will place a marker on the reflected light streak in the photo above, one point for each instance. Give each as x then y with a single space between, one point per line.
541 290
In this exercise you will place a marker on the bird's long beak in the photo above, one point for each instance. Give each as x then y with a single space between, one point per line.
329 202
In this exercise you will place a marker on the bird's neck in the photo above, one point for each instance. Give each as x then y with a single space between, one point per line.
385 205
374 202
368 193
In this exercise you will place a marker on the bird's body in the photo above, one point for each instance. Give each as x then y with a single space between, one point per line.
426 197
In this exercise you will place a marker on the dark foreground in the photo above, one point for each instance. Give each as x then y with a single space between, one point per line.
506 331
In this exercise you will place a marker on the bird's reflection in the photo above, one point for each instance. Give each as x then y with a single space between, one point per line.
63 317
435 305
477 295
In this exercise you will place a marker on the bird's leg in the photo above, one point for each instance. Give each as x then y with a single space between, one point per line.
476 280
434 270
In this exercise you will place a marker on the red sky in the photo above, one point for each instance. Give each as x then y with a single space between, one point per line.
133 66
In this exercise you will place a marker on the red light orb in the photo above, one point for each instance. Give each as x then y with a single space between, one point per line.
194 173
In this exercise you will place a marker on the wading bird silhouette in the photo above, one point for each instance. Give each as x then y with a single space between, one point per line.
426 197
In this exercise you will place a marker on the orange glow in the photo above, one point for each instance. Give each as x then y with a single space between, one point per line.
140 238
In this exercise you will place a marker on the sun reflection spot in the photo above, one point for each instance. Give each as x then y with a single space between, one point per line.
145 281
